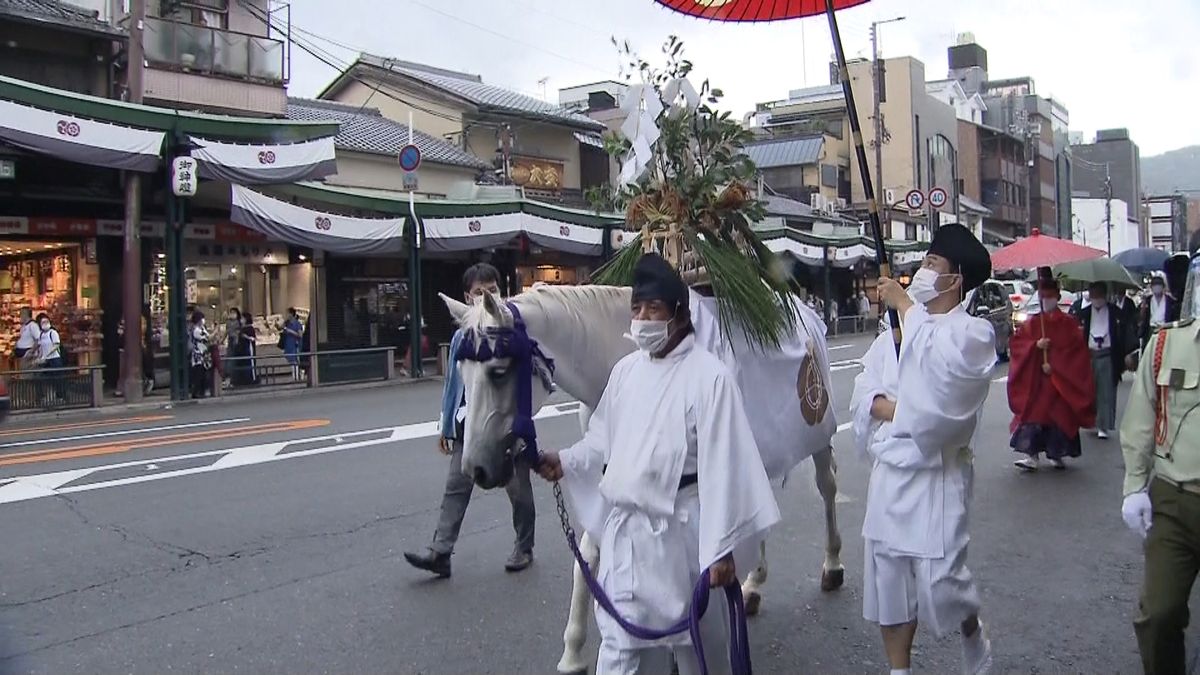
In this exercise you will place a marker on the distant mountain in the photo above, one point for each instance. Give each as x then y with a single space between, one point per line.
1171 171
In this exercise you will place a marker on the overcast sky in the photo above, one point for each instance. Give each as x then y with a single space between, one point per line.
1113 63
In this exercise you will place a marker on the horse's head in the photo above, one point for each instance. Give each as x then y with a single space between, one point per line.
506 379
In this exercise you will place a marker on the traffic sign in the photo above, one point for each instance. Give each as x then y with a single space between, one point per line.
915 199
937 198
410 158
410 180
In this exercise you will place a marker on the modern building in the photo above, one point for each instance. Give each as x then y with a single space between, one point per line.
1105 225
1111 166
1168 226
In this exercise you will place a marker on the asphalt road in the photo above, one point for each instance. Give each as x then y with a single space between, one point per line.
266 537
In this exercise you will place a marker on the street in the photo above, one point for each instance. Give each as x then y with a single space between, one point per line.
266 537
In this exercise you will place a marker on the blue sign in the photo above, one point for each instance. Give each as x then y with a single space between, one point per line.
410 158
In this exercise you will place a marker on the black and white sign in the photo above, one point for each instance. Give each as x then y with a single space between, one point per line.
183 177
937 198
915 199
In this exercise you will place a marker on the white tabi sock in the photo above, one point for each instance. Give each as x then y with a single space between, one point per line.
977 652
901 671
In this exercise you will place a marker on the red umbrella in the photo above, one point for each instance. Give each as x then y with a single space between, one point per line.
753 10
1041 250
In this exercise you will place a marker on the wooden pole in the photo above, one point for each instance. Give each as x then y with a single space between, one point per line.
864 169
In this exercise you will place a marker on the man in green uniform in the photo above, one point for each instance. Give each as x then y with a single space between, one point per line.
1160 438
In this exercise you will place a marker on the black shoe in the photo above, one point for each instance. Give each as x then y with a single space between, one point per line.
437 563
518 561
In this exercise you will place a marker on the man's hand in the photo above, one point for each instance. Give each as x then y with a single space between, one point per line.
893 295
550 467
1044 343
1137 512
444 445
883 409
722 572
1046 368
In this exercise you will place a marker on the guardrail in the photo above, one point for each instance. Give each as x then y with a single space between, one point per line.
851 325
55 388
245 374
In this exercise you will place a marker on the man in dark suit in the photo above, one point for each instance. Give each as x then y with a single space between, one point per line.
1107 340
1128 318
1158 310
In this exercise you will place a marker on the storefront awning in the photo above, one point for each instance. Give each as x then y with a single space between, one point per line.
114 134
810 248
78 139
331 232
265 164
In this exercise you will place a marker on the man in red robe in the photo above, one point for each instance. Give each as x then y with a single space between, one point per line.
1050 387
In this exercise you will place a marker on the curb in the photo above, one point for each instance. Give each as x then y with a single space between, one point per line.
298 392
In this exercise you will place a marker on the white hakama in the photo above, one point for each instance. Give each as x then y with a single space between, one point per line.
916 525
659 420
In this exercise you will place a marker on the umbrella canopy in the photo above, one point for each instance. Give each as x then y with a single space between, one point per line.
1142 260
1084 272
1040 250
753 10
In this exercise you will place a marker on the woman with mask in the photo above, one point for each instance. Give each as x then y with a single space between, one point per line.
27 343
198 337
49 352
1106 340
1050 388
292 334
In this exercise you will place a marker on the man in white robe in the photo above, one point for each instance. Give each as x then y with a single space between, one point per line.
669 480
915 417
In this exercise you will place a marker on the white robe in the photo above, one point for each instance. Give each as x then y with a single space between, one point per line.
658 420
939 385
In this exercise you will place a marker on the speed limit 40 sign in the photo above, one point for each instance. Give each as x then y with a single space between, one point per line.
937 198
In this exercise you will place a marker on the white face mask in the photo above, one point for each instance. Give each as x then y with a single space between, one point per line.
923 288
1049 305
650 336
1157 291
1097 303
45 325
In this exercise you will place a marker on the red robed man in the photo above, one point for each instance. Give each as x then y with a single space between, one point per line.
1050 386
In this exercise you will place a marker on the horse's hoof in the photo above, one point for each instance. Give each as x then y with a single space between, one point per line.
831 580
571 668
753 601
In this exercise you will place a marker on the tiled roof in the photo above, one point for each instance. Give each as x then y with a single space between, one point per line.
487 97
786 152
367 130
59 13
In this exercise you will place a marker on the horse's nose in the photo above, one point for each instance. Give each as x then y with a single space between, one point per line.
484 479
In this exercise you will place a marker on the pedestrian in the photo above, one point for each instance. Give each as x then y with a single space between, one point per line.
245 372
50 356
864 307
1158 311
293 334
1050 388
27 341
1106 339
915 416
148 346
479 279
1128 320
233 330
833 315
1160 439
669 478
201 356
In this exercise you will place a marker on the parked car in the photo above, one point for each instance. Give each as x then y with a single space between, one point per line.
991 301
1019 291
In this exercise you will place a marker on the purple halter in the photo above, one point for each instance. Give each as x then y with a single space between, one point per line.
515 344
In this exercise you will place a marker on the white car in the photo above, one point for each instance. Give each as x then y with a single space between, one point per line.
1019 292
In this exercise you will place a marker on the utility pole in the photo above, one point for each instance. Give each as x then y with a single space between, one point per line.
1108 206
131 291
877 96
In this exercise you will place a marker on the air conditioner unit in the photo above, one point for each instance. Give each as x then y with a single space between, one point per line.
817 201
841 203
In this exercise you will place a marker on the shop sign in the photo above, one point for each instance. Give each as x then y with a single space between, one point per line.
537 174
14 225
89 251
62 227
228 253
183 177
8 169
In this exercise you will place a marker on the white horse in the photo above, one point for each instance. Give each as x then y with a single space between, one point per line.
583 329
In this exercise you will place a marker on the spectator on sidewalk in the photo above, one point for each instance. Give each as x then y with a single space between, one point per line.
293 334
198 339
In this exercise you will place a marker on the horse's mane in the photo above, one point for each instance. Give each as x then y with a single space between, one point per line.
561 302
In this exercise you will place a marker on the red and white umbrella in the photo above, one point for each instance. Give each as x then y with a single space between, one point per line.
754 10
1041 250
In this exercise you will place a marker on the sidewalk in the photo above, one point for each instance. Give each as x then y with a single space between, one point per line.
160 399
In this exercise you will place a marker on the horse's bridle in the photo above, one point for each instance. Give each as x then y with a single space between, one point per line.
526 358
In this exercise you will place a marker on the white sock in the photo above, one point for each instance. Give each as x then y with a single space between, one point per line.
901 671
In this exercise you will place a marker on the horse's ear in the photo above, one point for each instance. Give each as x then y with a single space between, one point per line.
491 305
458 310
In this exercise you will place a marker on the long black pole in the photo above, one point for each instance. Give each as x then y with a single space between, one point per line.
864 169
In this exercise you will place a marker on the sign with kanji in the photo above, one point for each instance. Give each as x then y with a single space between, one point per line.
183 177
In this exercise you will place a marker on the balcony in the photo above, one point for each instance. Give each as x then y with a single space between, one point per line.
200 49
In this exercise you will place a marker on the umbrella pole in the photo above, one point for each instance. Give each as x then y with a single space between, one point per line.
864 168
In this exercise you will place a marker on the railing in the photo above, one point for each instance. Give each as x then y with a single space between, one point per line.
246 374
55 388
208 50
851 325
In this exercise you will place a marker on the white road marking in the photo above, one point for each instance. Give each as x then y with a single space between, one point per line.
125 432
844 426
834 348
1000 379
24 488
847 364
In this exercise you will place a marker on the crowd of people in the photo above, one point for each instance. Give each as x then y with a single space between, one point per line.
238 366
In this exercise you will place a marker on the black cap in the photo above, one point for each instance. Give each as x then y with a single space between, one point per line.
958 245
655 279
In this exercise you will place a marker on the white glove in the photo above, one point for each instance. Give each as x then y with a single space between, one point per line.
1136 511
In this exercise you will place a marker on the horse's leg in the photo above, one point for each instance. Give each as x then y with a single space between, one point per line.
833 574
754 580
575 636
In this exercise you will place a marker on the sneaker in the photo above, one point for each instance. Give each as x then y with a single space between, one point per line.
518 561
436 563
977 652
1027 464
1101 434
1059 465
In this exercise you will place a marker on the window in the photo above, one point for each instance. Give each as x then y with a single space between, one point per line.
910 232
207 13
